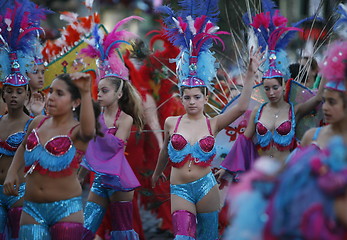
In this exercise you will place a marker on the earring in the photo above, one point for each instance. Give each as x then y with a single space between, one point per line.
73 109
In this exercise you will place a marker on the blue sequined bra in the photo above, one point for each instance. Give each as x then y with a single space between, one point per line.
10 145
201 153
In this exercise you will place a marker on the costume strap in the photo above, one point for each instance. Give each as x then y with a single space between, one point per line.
316 133
260 110
209 126
71 130
117 116
27 124
42 121
177 123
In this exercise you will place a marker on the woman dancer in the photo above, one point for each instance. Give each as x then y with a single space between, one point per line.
115 181
36 103
13 127
16 57
189 142
273 122
51 154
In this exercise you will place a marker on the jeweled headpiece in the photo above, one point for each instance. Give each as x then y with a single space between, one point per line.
193 29
19 24
273 34
104 48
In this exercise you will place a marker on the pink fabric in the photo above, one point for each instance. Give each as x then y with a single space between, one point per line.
57 146
121 216
66 231
105 155
241 156
184 223
179 142
14 218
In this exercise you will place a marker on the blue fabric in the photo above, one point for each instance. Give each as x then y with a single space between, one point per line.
47 214
282 140
182 237
316 134
93 215
207 227
196 190
3 220
128 235
177 156
15 139
34 231
47 160
8 201
99 189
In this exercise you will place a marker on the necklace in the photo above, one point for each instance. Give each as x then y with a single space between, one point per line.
276 114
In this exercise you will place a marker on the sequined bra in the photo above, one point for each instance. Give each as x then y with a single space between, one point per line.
10 145
57 157
283 137
201 153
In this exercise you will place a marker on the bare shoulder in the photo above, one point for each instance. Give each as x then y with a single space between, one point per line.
308 136
126 117
170 122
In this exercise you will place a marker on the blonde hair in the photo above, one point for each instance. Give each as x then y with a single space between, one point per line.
130 102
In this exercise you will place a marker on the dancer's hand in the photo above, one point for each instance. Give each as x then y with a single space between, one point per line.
82 81
256 59
157 177
11 184
37 103
219 174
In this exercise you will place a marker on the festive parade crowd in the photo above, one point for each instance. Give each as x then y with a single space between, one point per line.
98 110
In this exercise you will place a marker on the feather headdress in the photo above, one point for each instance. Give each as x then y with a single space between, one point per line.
193 29
19 25
105 49
333 68
273 34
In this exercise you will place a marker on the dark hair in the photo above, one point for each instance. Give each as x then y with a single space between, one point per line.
203 90
75 94
130 102
279 80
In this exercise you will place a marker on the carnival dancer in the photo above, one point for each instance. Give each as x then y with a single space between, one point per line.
115 181
317 174
274 121
189 141
17 56
36 103
51 154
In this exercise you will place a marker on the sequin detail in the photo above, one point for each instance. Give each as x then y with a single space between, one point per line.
283 137
201 153
58 157
9 146
196 190
47 214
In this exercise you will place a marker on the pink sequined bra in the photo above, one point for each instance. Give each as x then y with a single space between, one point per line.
201 153
283 137
57 157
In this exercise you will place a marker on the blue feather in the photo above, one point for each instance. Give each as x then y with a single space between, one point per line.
269 6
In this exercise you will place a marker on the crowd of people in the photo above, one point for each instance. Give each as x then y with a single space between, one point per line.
90 125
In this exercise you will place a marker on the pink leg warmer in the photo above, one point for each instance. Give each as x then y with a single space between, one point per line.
66 231
184 223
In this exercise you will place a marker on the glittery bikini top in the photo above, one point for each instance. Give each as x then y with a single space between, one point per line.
57 157
180 150
12 142
283 137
